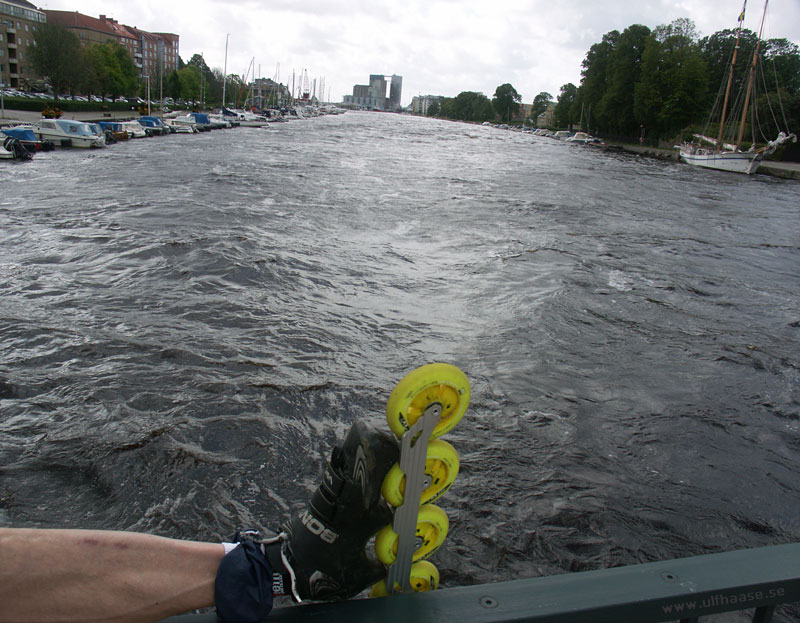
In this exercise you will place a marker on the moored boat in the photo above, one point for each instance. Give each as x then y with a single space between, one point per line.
134 129
183 124
67 133
153 125
245 118
725 152
221 121
24 134
201 121
115 130
581 138
12 149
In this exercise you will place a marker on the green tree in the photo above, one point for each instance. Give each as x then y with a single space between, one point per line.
778 105
781 57
129 74
540 103
53 55
198 61
471 106
448 108
625 70
682 27
189 78
172 86
234 89
717 52
506 102
577 111
672 91
111 71
434 108
214 87
482 109
596 68
86 80
206 76
564 107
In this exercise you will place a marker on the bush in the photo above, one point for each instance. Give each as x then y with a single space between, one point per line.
38 105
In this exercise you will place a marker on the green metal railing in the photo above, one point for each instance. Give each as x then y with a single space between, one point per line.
676 590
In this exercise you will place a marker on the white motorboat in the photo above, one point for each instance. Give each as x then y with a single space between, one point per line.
68 133
134 129
221 121
181 124
245 118
580 138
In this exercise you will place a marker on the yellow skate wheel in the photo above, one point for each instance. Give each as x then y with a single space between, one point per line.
424 578
433 383
441 469
432 525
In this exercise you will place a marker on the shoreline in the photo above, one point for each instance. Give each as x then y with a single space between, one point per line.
785 170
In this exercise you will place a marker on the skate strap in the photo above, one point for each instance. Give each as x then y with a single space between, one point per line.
324 499
281 543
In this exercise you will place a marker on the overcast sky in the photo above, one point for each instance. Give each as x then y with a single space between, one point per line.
440 47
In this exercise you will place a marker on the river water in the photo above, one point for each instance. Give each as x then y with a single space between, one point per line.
189 323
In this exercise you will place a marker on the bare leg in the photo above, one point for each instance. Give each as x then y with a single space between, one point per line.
61 576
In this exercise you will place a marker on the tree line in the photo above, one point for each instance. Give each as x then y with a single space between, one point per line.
99 68
476 107
657 83
665 81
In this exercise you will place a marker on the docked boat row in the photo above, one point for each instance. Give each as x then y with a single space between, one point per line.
575 138
21 142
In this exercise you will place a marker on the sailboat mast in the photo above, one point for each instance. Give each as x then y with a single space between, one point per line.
752 76
730 79
225 71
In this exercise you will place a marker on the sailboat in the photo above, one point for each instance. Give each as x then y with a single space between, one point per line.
724 153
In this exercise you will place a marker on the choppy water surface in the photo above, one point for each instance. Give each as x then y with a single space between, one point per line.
189 323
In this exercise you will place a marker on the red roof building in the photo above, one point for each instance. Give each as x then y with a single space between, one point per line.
154 54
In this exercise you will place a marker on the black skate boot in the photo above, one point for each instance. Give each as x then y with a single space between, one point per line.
322 553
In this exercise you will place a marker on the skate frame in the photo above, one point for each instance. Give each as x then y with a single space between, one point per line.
413 454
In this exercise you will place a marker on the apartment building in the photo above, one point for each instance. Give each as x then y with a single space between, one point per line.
421 104
18 19
152 53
